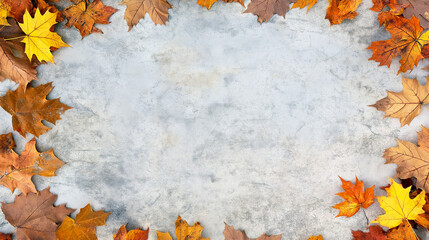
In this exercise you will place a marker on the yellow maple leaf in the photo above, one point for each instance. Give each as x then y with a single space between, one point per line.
399 206
38 37
4 11
184 231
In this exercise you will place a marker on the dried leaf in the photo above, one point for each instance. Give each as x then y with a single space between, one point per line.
395 7
17 170
340 10
418 9
403 232
304 3
265 9
18 8
375 233
136 234
29 107
5 236
83 227
235 234
35 216
399 206
355 197
83 16
137 9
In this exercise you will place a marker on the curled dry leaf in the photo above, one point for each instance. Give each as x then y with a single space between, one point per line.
340 10
407 41
137 9
83 227
403 232
29 106
235 234
35 216
304 3
265 9
375 233
136 234
17 170
399 206
83 16
355 197
405 105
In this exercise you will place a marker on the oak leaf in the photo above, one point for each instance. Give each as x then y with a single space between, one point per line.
234 234
83 226
418 9
340 10
35 215
355 197
303 3
136 234
407 41
5 236
405 105
399 206
265 9
17 170
375 233
29 107
83 16
39 38
403 232
137 9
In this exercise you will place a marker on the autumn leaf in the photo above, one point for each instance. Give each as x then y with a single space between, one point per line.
136 234
232 1
29 107
83 226
137 9
375 233
18 8
83 16
4 11
17 170
316 237
355 197
5 236
303 3
395 7
39 39
234 234
184 231
399 206
163 236
206 3
405 105
265 9
407 41
340 10
418 9
403 232
35 216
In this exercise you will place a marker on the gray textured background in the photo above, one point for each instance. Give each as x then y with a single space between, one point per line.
218 118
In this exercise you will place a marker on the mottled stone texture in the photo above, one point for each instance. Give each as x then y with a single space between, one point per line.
220 119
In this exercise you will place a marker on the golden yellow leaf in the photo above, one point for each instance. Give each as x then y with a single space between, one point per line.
163 236
399 206
403 232
206 3
316 237
39 39
303 3
4 11
186 232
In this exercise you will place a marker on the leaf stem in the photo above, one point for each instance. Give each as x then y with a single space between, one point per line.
417 237
8 39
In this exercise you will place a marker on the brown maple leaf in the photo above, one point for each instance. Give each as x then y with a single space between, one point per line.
83 16
29 106
17 170
375 233
304 3
137 9
35 216
418 9
265 9
83 226
5 236
136 234
340 10
405 105
235 234
355 196
402 232
407 41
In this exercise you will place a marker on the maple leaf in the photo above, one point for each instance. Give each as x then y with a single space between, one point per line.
399 206
407 41
16 69
375 233
83 226
206 3
355 197
237 1
5 236
316 237
234 234
395 7
184 231
405 105
265 9
137 9
340 10
136 234
17 170
303 3
163 236
4 11
29 107
403 232
35 216
418 9
18 7
83 16
39 38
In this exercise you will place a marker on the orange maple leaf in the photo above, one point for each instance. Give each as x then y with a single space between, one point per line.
184 231
375 233
83 16
339 10
355 197
303 3
136 234
403 232
407 41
